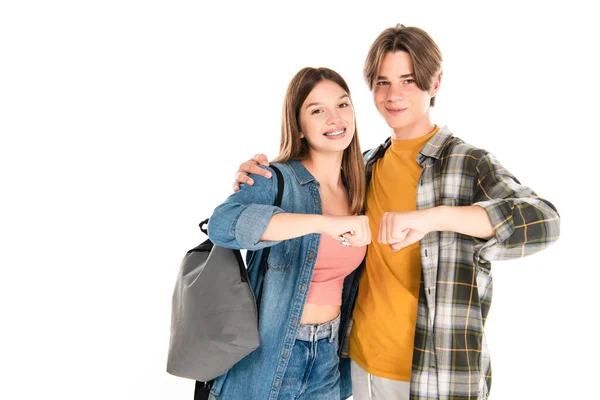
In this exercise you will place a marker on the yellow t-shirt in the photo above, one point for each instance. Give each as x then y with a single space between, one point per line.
385 314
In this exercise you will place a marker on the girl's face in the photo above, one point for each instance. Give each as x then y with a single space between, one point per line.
327 118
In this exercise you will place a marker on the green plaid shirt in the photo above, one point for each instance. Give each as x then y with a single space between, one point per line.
451 359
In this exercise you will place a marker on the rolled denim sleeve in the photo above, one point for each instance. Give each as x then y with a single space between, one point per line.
241 220
523 222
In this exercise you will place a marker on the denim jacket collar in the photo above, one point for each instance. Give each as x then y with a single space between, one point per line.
300 172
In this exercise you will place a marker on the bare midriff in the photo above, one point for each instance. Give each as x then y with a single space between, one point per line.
319 313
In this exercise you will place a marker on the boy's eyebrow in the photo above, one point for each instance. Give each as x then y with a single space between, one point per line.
401 76
316 103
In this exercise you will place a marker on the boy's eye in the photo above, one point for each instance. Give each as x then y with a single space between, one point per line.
409 81
382 83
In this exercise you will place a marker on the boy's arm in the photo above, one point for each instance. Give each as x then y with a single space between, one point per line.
252 166
506 220
523 222
400 229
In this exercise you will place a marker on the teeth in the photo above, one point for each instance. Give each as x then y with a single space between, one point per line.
336 133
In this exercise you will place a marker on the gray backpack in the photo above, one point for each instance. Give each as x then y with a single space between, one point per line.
214 317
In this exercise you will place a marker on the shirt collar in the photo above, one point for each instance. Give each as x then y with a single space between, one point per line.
300 172
434 147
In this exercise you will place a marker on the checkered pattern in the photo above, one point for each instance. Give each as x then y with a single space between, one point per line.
450 360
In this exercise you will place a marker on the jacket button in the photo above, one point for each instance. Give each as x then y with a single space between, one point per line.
286 354
303 288
276 383
295 321
311 255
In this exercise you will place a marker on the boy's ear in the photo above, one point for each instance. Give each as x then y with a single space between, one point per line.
436 85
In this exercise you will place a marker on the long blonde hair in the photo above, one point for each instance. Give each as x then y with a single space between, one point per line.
294 147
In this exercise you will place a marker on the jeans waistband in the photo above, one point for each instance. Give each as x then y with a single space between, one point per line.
314 332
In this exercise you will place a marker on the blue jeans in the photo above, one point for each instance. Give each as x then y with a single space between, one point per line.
312 372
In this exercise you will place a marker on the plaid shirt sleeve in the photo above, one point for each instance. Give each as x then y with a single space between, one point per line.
524 223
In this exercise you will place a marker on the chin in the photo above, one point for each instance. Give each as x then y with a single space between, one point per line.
395 125
394 122
338 149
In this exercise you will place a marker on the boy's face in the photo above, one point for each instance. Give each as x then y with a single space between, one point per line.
402 104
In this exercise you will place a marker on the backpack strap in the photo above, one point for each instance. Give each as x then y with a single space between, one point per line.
265 254
203 225
202 389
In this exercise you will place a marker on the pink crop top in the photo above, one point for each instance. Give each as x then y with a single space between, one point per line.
334 263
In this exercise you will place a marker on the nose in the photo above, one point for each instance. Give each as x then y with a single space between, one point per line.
333 116
394 93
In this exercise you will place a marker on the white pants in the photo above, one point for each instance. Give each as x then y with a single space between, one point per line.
370 387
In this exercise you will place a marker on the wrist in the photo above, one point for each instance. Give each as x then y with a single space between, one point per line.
440 218
319 223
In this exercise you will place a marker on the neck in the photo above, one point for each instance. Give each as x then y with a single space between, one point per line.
420 128
325 167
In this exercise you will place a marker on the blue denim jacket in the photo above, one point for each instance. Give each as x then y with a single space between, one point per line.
238 223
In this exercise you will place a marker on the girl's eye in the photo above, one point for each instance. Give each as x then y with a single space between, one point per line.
344 105
316 111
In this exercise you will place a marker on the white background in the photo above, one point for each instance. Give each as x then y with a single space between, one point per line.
122 124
